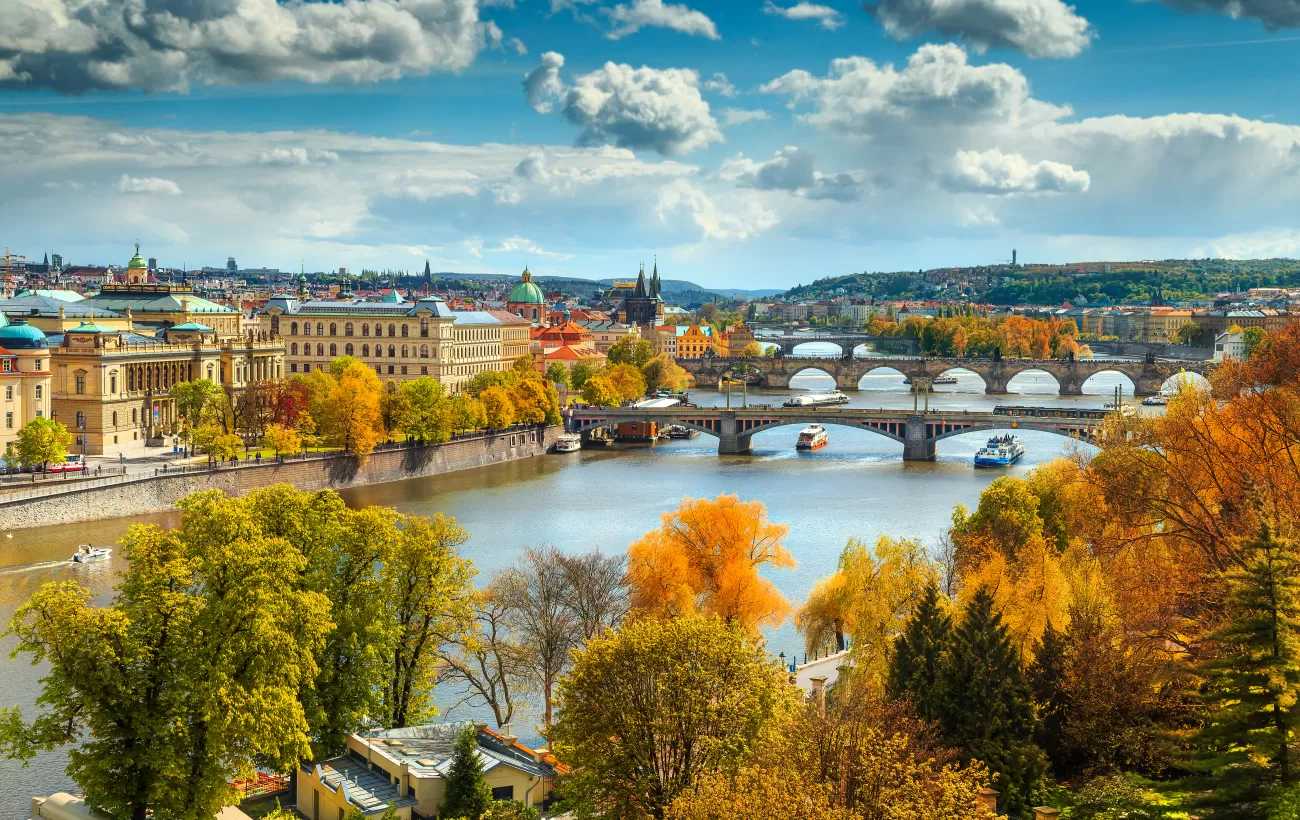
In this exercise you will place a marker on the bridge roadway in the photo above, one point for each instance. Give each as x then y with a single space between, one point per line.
917 432
1148 376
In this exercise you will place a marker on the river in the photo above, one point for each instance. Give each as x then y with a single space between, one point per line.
857 486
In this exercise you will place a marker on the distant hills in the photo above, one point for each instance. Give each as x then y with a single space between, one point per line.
686 291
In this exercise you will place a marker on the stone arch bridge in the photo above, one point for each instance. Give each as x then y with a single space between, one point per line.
1148 376
917 432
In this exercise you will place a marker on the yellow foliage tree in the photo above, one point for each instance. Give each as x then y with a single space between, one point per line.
352 410
627 381
498 408
705 557
282 440
599 390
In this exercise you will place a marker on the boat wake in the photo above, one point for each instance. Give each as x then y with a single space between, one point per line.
35 567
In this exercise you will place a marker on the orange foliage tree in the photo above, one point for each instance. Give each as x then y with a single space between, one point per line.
705 558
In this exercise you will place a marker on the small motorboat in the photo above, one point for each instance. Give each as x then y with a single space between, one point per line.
86 552
1155 401
568 443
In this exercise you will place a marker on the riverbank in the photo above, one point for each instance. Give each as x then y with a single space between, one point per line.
131 495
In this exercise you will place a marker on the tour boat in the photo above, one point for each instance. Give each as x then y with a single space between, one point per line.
1155 401
937 380
677 431
1000 451
86 552
816 399
812 437
568 443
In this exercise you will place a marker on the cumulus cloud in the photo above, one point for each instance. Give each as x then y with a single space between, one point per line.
737 220
629 18
147 185
719 83
639 108
740 116
791 169
827 17
73 46
295 156
1039 28
993 172
1274 14
519 244
533 168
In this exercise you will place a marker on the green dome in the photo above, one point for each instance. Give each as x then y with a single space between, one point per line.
137 261
21 335
192 326
91 327
526 293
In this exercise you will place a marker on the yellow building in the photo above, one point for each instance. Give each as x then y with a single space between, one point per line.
407 768
734 340
110 388
694 342
24 378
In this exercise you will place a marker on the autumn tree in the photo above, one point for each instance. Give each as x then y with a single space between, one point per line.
465 413
351 409
486 664
536 594
426 411
498 409
281 440
195 666
706 557
627 381
41 442
753 350
662 373
651 708
632 350
599 390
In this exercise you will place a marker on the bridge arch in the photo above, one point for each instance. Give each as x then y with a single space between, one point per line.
793 349
598 424
815 371
1095 386
883 430
1025 379
960 372
1185 377
881 372
1011 425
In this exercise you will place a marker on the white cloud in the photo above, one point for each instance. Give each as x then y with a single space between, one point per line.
639 14
295 156
993 172
791 169
1039 28
1277 243
73 46
826 17
518 46
147 185
533 168
719 83
640 108
1274 14
519 244
735 220
740 116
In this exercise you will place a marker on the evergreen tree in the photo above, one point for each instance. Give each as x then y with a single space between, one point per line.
914 668
1046 682
986 706
467 794
1254 683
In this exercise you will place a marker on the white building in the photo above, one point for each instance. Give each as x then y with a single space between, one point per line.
1230 346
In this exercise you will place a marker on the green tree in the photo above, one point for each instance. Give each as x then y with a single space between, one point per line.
1047 678
662 373
558 374
631 349
498 407
650 708
511 810
42 441
198 402
579 375
987 709
426 411
188 679
466 413
1254 683
1251 337
918 654
466 794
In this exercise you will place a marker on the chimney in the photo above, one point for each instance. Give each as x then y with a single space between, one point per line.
988 801
507 733
1045 813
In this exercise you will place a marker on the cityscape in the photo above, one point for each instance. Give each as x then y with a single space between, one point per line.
642 410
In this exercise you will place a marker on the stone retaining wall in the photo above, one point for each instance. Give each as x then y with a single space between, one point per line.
149 494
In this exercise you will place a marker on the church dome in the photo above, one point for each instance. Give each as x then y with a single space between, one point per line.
137 262
22 336
526 293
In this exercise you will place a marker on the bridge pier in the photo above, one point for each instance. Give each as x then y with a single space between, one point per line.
846 381
730 441
916 445
771 380
995 386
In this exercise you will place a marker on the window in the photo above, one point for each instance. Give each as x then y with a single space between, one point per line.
306 328
403 370
392 351
112 385
81 384
114 419
9 393
320 349
424 327
306 368
134 417
424 370
334 329
404 354
81 420
320 328
293 367
424 351
379 351
38 365
39 414
365 330
392 330
9 420
405 328
390 370
379 330
365 349
347 329
8 365
347 349
503 793
293 349
293 329
334 350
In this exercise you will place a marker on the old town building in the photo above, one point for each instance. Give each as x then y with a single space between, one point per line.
694 342
24 377
526 299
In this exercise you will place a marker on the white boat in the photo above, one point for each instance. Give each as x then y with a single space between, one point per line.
1155 401
812 437
86 552
1000 451
816 399
568 443
937 380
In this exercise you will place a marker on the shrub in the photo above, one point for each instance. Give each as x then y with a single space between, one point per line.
1114 797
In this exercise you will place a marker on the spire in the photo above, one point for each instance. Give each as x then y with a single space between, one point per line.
655 284
640 292
427 273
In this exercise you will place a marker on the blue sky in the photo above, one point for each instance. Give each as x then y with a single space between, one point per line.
715 135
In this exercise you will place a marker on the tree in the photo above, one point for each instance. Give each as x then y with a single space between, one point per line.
188 679
499 410
1188 334
42 441
632 350
579 374
918 655
1252 337
466 793
352 416
651 708
283 440
536 593
627 381
426 411
753 350
599 390
986 707
428 587
198 402
595 591
557 373
705 557
221 446
486 664
1047 682
1254 682
662 373
465 413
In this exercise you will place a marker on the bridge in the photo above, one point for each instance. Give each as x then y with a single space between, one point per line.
1148 377
917 432
845 341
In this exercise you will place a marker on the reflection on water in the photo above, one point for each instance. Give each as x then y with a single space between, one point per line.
857 486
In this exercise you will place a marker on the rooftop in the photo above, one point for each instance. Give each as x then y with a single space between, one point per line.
369 790
427 750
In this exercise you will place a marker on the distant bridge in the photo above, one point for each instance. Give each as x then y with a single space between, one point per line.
846 342
1148 377
917 432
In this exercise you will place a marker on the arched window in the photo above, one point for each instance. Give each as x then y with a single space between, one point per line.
209 372
365 349
334 350
404 330
347 349
404 354
392 352
424 351
365 330
293 329
320 349
392 330
306 328
293 349
379 330
347 329
379 351
320 328
130 379
334 329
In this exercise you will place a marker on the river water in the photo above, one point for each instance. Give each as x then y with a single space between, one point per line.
857 486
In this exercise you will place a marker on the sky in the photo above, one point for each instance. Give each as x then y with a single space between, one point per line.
737 143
